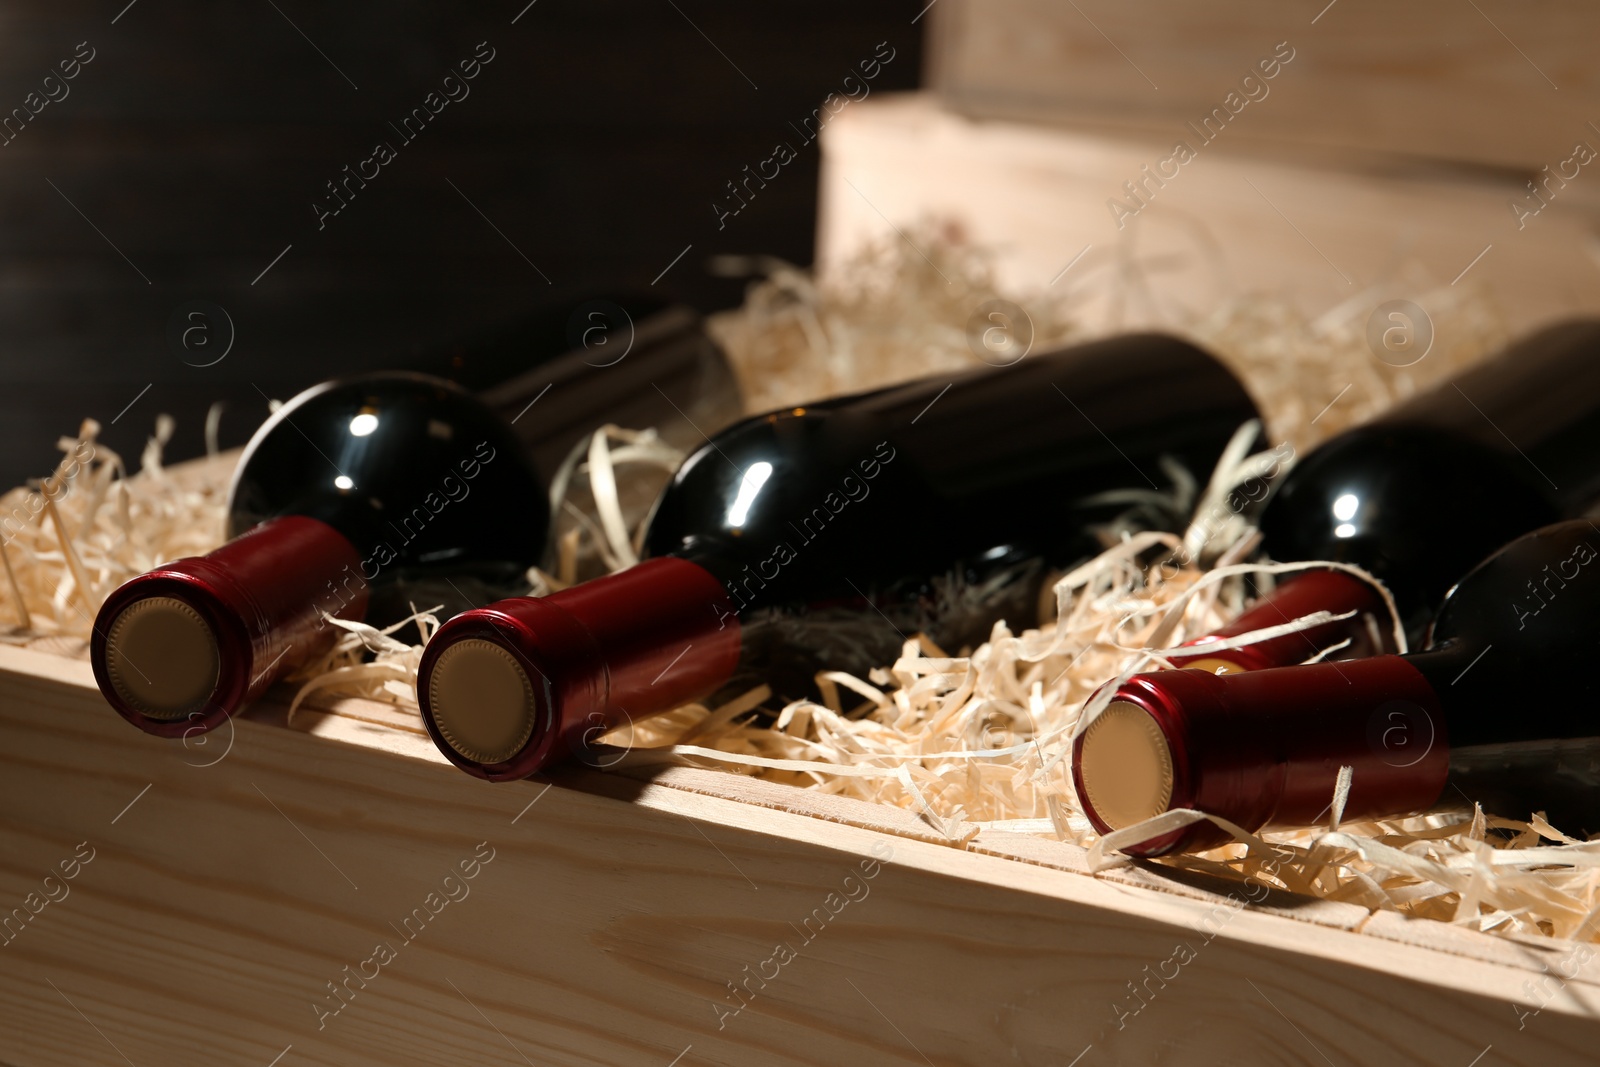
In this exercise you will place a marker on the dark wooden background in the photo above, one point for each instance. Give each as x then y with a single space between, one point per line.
199 136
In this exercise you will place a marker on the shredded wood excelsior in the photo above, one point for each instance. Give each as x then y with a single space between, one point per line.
970 742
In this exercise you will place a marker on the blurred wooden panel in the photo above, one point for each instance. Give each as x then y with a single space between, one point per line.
1228 224
1489 82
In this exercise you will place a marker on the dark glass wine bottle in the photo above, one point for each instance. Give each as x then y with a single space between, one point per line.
579 360
1498 708
822 537
350 493
1421 494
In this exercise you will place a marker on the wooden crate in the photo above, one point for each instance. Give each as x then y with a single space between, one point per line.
1492 83
1233 221
634 920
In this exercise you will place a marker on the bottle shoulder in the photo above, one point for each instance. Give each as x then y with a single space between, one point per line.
1540 594
413 470
1416 505
756 477
1509 650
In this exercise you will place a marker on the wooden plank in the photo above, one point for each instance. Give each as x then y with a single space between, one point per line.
1058 855
1436 79
613 916
1228 224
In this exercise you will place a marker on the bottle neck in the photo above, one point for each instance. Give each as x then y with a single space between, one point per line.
179 649
507 689
1448 669
1336 592
1265 748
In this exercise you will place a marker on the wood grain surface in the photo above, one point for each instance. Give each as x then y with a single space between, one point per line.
1491 83
1232 223
225 893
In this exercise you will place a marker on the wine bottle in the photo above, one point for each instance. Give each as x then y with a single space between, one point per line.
1497 708
823 536
1421 494
347 495
582 359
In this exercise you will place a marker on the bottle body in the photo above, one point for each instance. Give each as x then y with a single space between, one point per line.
825 536
841 529
1498 709
587 359
344 504
581 361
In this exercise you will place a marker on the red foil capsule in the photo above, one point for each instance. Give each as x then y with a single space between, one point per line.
1324 590
179 649
1262 748
507 689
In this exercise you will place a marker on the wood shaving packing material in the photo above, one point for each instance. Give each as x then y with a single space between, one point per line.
969 742
73 537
